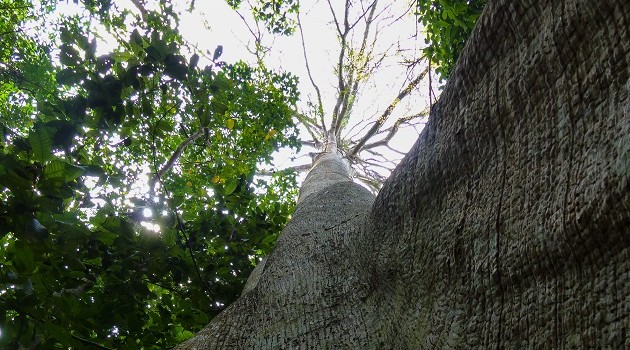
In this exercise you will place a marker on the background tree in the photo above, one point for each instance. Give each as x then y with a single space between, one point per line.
504 227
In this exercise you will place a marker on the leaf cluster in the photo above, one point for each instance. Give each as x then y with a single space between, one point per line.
278 16
448 24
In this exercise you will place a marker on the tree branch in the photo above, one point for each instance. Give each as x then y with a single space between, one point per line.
320 105
394 129
296 168
259 50
355 73
141 8
310 143
383 118
341 86
175 156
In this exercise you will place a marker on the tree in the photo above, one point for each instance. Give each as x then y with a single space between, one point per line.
372 43
504 227
369 45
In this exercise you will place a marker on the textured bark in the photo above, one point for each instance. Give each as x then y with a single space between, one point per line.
301 296
506 226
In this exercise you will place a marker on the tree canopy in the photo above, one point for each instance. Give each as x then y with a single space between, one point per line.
371 88
130 208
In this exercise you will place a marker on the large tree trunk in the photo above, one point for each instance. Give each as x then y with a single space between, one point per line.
506 226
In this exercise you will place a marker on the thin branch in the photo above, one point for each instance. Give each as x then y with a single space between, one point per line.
376 163
310 143
320 105
175 156
296 168
259 50
377 154
141 8
383 118
86 341
310 124
394 129
353 77
335 18
341 86
395 150
182 230
365 11
362 125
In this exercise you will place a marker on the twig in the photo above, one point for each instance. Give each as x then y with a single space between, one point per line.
393 130
175 156
341 85
347 98
181 228
141 8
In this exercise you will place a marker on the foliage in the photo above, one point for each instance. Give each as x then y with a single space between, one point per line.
99 150
278 16
448 24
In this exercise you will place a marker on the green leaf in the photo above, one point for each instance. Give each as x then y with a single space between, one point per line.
204 119
123 56
136 37
69 56
63 171
41 144
58 332
230 187
35 229
24 259
55 170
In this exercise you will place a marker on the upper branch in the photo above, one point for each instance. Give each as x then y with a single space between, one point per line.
141 8
393 130
175 156
320 105
341 86
355 73
383 118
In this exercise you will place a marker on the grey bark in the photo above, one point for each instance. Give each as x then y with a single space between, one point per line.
506 226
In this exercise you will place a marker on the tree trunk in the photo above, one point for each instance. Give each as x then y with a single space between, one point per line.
506 226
